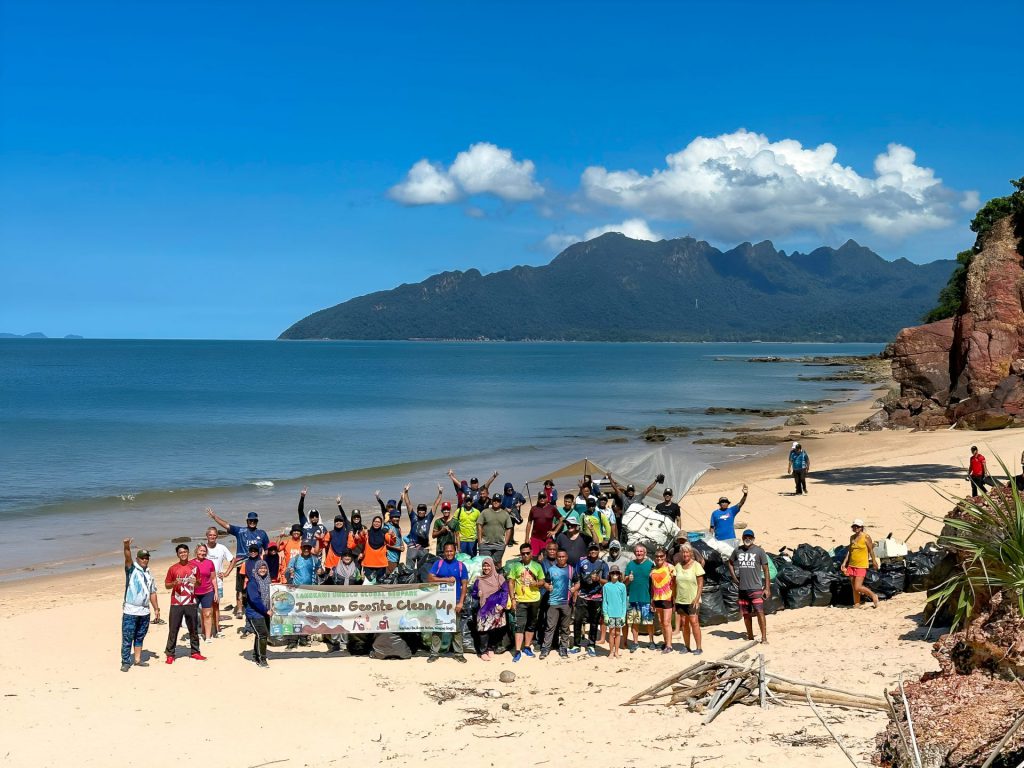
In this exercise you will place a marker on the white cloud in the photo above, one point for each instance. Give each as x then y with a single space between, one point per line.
971 201
557 243
742 185
634 228
482 169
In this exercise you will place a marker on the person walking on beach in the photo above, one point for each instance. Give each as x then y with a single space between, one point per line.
139 597
613 609
540 524
258 610
689 585
224 562
244 537
206 590
723 519
859 556
978 472
526 576
748 566
558 578
448 570
638 590
799 465
494 530
590 578
181 580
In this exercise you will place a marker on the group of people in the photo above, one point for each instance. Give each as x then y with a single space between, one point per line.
572 587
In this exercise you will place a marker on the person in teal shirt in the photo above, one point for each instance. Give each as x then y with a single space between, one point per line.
638 591
613 606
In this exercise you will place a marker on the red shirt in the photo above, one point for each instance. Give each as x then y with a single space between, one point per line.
977 465
183 592
543 521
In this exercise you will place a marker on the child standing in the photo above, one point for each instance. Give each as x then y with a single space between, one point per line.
613 606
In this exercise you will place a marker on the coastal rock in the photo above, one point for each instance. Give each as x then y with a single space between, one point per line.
874 423
616 428
985 420
796 421
920 358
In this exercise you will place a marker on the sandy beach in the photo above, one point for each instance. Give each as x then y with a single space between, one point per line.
66 700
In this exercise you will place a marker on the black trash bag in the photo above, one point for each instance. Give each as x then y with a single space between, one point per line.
812 558
712 606
423 569
388 645
798 597
891 581
713 561
842 592
791 575
839 555
774 603
388 578
360 644
404 575
730 597
822 584
920 566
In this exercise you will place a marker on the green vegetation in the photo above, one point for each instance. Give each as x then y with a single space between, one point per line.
989 539
952 294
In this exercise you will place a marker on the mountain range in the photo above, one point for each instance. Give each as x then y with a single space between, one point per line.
614 288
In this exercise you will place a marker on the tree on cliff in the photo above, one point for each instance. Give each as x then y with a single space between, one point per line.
952 295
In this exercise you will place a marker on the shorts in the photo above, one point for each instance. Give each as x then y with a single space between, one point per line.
639 613
854 572
751 600
662 604
526 616
239 581
686 609
613 622
205 601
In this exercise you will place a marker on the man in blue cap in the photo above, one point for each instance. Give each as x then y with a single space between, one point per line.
748 565
244 537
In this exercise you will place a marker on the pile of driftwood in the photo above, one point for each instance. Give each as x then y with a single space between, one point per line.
709 687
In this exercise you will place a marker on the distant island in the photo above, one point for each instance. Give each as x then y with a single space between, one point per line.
614 288
34 335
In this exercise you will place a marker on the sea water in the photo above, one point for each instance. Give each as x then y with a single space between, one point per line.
116 438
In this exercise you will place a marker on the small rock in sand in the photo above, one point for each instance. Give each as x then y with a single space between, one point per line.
507 677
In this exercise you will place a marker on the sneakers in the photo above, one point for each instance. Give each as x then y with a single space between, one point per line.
197 657
125 667
262 663
544 655
698 652
528 651
563 653
461 659
652 646
575 649
591 651
170 659
517 657
431 659
684 649
666 649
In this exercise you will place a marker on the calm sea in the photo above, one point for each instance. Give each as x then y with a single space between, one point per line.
141 435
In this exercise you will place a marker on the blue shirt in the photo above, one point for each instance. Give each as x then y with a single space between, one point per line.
244 537
724 522
303 569
591 590
394 556
442 569
559 578
613 600
798 459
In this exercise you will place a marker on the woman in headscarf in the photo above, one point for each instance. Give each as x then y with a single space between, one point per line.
258 610
491 590
375 555
346 572
357 533
339 541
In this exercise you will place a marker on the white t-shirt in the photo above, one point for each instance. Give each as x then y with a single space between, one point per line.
220 556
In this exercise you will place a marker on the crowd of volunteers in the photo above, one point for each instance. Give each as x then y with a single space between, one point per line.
570 587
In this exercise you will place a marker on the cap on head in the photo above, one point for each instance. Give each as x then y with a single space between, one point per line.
748 534
142 553
252 516
592 503
255 547
615 569
421 507
630 487
614 544
796 445
392 503
593 548
723 500
296 528
495 499
314 513
668 492
446 505
339 519
473 481
858 523
306 545
394 514
271 547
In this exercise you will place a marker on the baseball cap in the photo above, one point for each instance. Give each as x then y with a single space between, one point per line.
421 506
473 480
306 545
339 519
681 536
272 546
614 544
796 445
667 492
394 513
252 516
723 500
446 505
296 527
593 548
392 503
858 522
143 553
591 502
748 533
615 569
256 547
630 487
314 512
495 499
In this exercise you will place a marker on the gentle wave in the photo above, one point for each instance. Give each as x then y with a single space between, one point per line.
263 483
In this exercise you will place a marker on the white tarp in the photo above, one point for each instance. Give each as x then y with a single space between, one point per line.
642 524
681 469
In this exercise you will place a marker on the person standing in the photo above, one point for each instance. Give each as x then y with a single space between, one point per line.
723 519
224 562
978 472
667 507
139 596
638 590
181 580
547 559
748 565
799 465
624 497
420 523
859 556
375 559
662 589
540 523
396 544
448 570
466 516
312 528
572 540
491 593
206 590
337 542
494 530
258 610
445 529
290 547
689 586
244 537
526 576
590 578
613 609
513 501
303 570
558 580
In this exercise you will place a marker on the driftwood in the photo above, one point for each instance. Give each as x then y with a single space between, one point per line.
1002 742
831 733
690 671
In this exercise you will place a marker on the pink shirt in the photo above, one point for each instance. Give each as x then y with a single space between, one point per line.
206 572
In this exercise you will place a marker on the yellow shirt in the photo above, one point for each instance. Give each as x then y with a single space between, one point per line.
859 557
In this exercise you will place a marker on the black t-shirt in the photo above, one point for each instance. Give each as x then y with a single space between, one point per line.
576 549
668 509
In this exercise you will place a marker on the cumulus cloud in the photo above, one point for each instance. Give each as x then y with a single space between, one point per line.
556 243
742 184
634 228
483 169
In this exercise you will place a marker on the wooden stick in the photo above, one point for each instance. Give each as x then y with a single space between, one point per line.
910 723
896 719
919 524
804 683
666 682
825 695
1002 742
831 733
722 703
762 686
796 699
697 691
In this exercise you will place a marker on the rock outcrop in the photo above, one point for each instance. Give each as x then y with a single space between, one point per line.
968 370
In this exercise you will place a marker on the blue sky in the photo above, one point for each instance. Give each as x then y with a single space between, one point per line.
219 170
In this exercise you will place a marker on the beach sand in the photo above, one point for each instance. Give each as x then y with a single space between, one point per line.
64 699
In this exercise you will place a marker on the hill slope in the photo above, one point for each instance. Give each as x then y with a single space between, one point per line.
616 289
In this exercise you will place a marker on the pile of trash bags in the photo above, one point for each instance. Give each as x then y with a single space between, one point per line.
810 576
